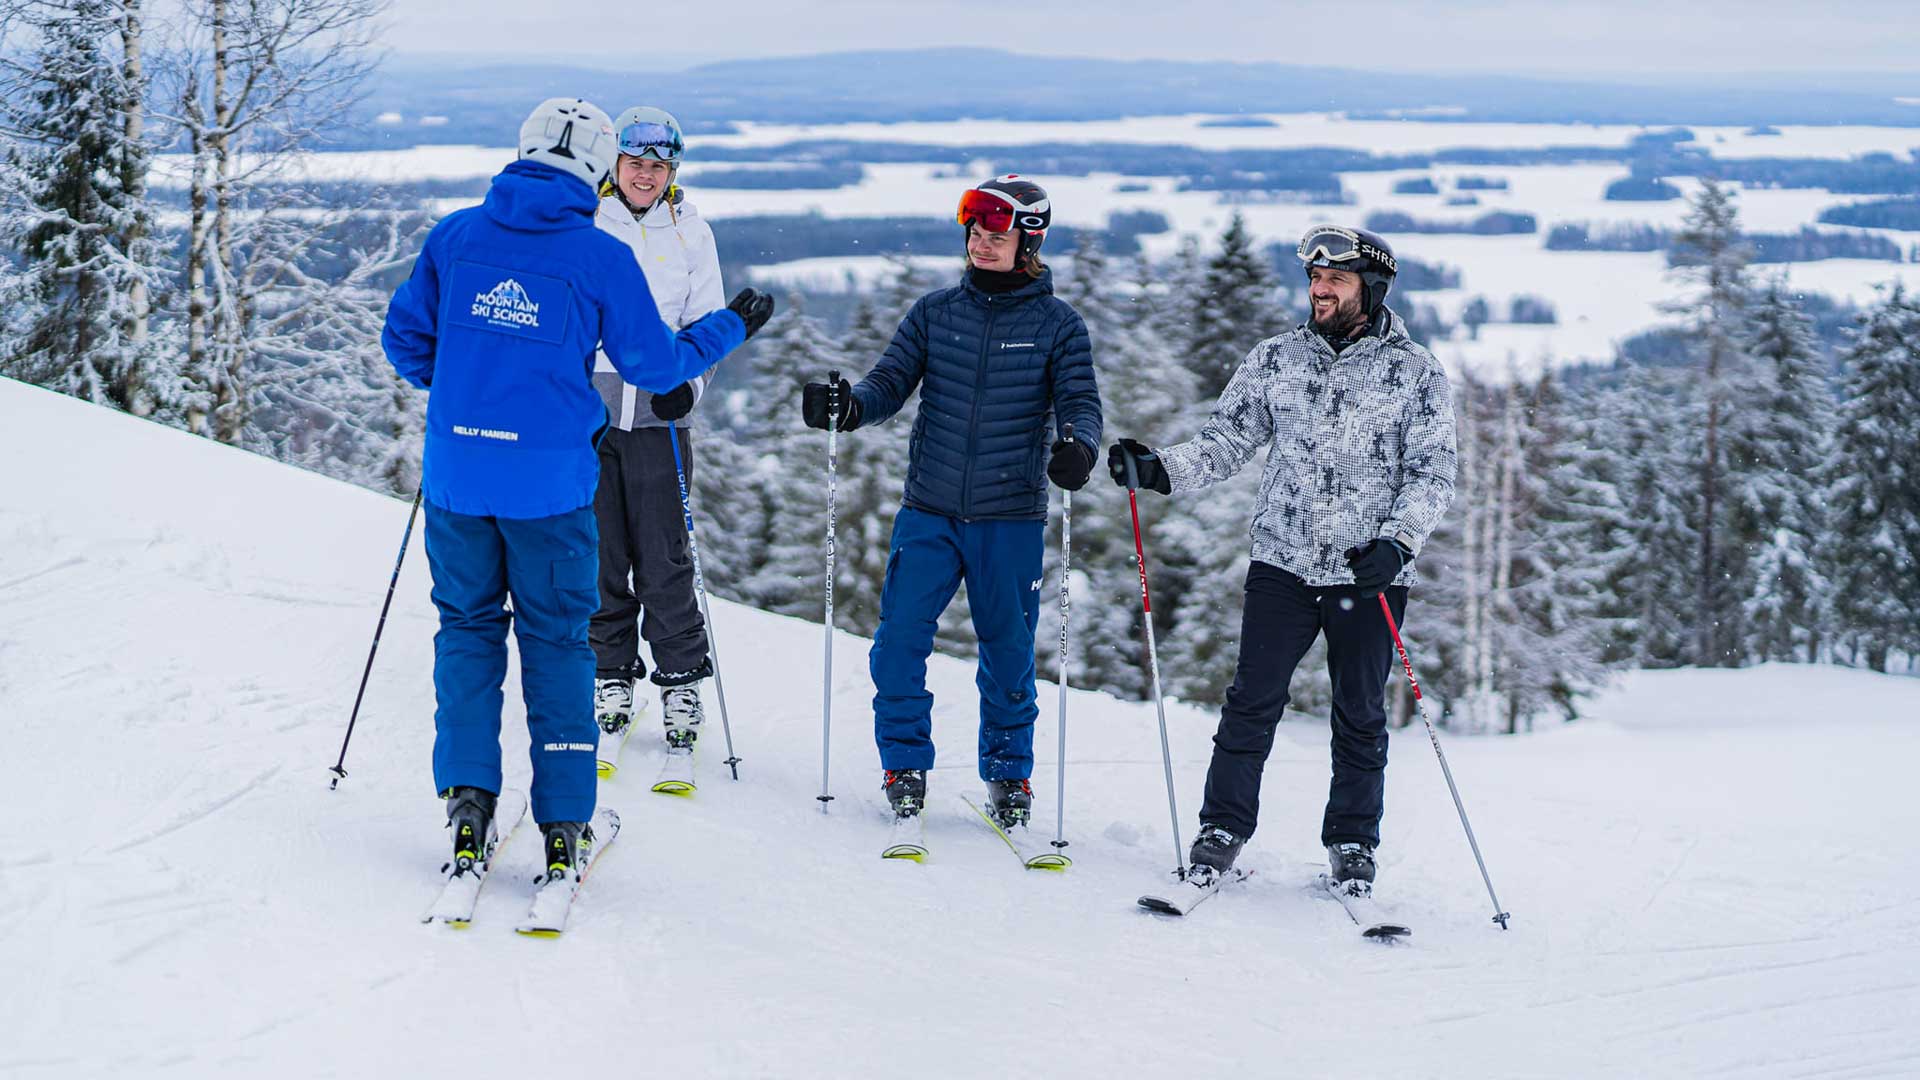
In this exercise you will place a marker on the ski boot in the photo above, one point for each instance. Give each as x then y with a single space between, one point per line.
1010 802
906 790
681 711
1213 852
613 703
470 816
1351 868
566 844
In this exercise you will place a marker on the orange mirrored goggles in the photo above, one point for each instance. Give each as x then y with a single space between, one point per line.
992 212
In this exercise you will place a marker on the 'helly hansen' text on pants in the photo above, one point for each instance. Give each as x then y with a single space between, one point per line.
1283 616
1000 563
643 537
547 566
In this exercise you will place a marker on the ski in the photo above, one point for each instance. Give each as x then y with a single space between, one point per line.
1357 898
1032 856
676 773
907 838
461 891
607 759
1185 894
553 898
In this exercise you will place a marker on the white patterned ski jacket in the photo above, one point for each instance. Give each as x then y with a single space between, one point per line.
1362 447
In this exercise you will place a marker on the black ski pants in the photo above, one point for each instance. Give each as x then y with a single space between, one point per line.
1283 616
646 571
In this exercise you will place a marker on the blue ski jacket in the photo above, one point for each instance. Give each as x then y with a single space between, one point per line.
501 317
990 368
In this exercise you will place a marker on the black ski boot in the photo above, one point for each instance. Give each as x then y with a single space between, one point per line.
1010 802
1214 850
1350 862
470 816
906 790
564 842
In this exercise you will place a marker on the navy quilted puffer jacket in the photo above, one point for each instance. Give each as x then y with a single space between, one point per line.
989 368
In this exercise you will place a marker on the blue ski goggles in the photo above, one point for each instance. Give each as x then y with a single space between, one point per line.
652 140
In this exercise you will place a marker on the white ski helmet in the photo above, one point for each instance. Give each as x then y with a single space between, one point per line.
572 135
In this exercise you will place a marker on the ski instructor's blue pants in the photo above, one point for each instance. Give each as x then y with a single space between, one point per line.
549 566
1000 562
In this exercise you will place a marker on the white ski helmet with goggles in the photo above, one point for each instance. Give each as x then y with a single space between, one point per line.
1356 251
572 135
648 132
1009 202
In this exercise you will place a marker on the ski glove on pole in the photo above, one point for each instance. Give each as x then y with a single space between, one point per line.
754 308
1146 466
1070 464
814 406
1376 564
674 404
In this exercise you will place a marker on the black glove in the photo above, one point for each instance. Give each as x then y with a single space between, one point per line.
754 308
1146 466
813 406
1070 463
1376 564
675 403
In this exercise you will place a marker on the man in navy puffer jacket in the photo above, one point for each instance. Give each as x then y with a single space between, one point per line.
501 317
992 358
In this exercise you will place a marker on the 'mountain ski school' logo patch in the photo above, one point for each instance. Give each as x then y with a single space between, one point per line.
508 301
507 304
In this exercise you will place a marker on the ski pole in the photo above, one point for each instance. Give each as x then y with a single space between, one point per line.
339 769
1066 567
1153 664
1499 915
826 689
700 586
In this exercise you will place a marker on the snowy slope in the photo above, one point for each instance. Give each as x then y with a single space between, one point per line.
1712 874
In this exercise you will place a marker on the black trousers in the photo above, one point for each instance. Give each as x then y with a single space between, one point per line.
1283 616
646 571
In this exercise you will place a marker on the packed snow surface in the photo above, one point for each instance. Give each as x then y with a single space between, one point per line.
1711 873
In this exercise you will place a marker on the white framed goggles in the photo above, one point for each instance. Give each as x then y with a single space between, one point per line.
1332 245
647 139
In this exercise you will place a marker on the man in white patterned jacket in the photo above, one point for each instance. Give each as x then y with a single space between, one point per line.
1360 472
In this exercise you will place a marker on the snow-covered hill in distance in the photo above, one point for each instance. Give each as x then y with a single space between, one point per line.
1712 875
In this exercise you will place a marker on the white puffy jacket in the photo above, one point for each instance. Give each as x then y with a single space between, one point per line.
675 249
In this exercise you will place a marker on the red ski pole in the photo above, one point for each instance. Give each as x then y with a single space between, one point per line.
1499 915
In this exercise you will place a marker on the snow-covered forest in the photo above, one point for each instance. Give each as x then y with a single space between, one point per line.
1750 499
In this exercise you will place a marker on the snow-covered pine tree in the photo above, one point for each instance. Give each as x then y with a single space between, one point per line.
1874 489
1777 446
1233 308
1709 252
1650 428
73 205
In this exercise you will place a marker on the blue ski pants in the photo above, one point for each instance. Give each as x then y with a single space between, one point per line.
549 566
1000 561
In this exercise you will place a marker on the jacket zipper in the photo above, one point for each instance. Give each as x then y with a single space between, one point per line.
973 424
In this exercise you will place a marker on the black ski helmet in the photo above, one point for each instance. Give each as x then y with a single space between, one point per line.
1010 202
1356 251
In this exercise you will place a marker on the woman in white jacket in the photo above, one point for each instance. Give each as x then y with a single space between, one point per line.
644 561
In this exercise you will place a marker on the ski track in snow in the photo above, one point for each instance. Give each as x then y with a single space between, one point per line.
181 893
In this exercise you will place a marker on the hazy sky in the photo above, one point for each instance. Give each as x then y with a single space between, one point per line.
1621 39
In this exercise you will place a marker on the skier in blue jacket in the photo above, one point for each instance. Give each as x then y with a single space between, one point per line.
501 318
993 358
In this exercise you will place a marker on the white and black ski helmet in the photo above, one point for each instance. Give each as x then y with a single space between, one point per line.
1356 251
1010 202
572 135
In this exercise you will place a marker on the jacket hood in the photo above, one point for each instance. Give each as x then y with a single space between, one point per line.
532 197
